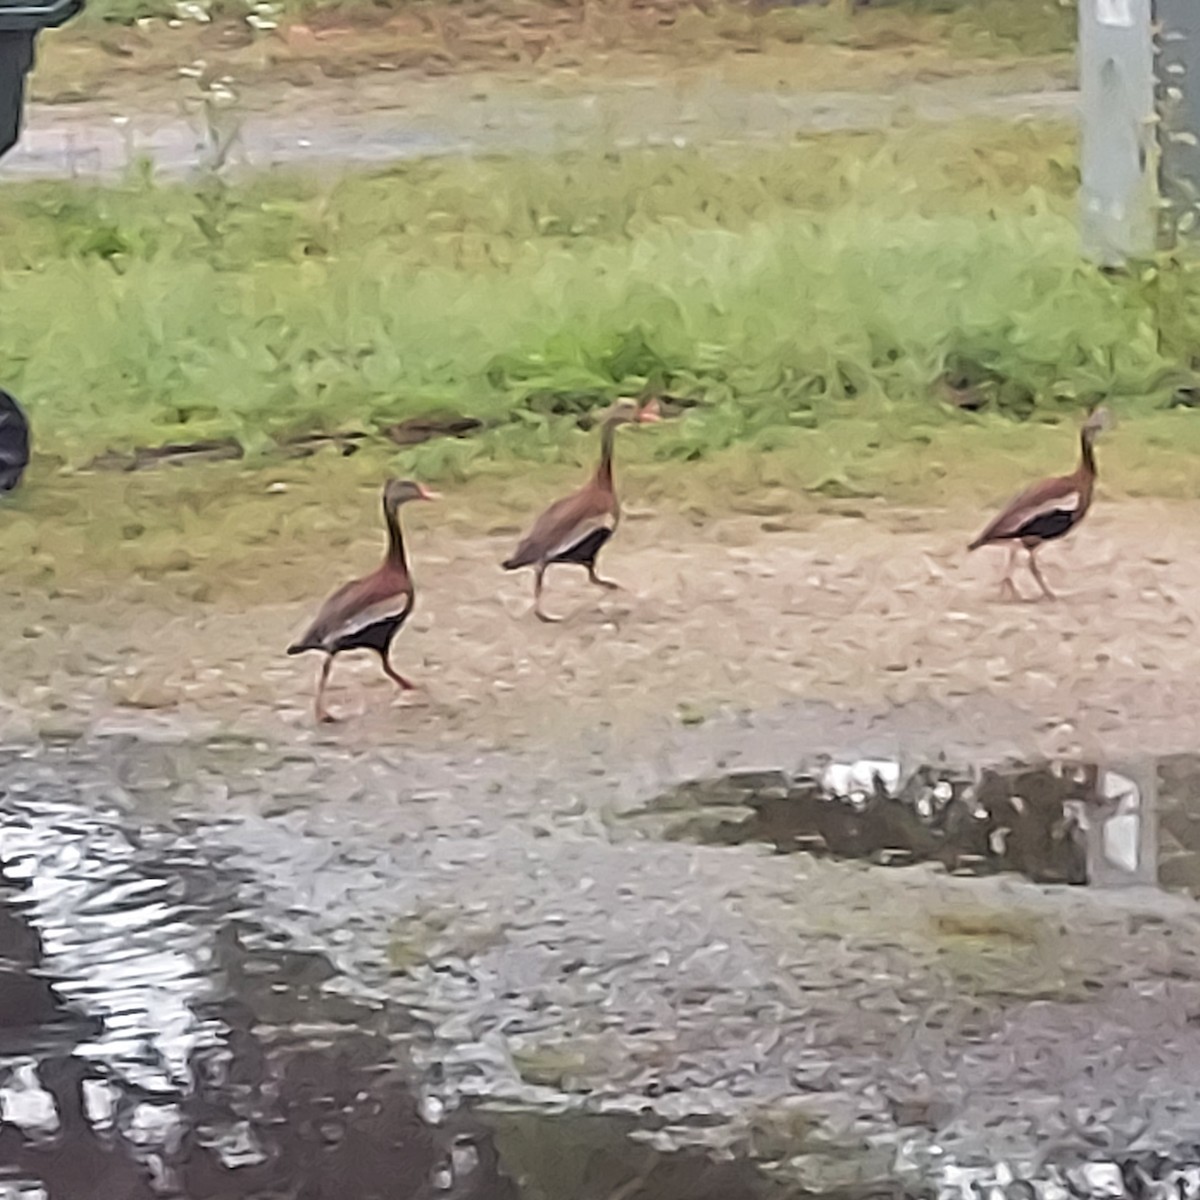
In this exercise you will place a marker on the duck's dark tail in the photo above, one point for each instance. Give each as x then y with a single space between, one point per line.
522 556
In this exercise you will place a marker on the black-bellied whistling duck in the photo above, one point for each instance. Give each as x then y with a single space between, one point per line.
367 613
576 528
1048 510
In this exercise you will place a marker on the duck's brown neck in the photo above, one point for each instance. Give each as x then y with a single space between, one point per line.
395 550
1085 473
604 469
1087 457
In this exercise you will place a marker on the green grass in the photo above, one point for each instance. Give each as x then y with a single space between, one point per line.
969 28
1002 27
785 290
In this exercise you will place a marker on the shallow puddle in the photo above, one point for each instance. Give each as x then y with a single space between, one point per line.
155 1040
1059 823
232 971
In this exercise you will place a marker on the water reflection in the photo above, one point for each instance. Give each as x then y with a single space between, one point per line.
121 935
157 1039
1052 822
155 1042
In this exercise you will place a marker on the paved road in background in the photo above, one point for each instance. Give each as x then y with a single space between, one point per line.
439 117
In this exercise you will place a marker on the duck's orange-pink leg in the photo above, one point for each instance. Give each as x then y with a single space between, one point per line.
395 676
323 715
1008 589
538 611
1035 570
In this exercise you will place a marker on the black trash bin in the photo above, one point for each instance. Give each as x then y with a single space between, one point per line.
14 442
20 23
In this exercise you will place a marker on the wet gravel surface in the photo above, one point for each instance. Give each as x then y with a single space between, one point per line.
490 859
838 1021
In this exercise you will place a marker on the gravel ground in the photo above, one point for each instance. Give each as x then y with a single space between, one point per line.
377 120
466 853
740 614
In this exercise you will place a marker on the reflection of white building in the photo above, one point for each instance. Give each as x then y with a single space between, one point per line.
1120 827
1117 819
856 781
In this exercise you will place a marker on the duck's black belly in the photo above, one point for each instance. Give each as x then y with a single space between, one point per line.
1047 526
584 552
377 637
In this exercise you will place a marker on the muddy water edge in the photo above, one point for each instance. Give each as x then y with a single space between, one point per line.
775 959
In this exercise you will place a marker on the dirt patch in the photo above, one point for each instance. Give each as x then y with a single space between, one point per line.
362 63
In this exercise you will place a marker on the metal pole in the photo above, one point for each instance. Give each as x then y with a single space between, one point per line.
1122 842
1118 202
1178 102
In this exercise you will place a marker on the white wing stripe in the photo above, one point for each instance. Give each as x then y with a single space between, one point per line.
1068 503
393 606
579 531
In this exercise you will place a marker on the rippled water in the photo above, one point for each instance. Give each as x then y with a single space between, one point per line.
228 970
156 1040
167 1046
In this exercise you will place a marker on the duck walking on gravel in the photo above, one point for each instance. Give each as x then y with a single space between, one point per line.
367 613
576 528
1047 510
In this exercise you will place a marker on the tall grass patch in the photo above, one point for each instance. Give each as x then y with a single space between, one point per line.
779 289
